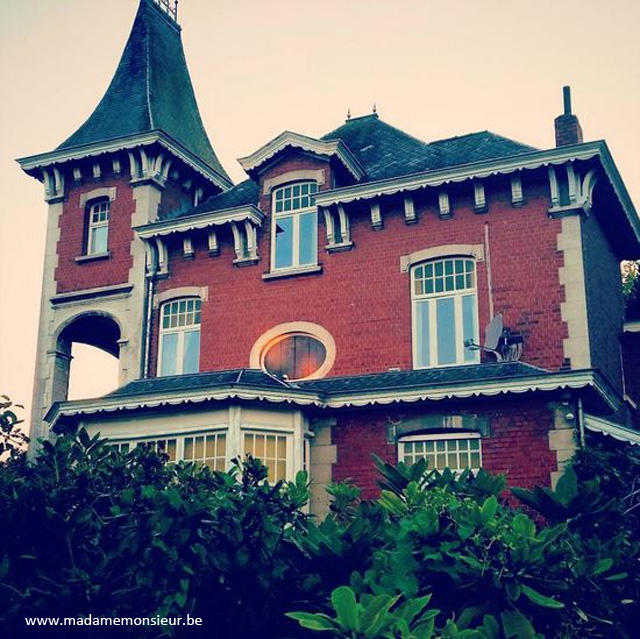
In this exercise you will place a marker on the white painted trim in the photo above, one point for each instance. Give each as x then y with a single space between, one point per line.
290 395
376 216
212 242
447 250
479 197
517 195
33 162
290 139
460 433
108 192
409 210
607 427
178 293
187 247
444 205
303 175
257 353
632 327
201 221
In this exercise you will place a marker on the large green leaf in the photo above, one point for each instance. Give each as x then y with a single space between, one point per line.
539 599
346 607
312 621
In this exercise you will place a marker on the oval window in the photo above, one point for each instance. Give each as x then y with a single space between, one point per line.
294 356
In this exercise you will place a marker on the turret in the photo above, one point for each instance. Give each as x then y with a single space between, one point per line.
142 154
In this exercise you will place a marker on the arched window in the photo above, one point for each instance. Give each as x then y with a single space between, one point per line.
179 337
295 226
98 227
445 312
456 451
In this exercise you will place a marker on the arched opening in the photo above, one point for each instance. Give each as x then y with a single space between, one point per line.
86 353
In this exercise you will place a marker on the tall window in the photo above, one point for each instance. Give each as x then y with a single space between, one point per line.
445 312
98 235
456 451
180 337
295 226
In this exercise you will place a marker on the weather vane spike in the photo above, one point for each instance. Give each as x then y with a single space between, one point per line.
375 108
170 7
348 113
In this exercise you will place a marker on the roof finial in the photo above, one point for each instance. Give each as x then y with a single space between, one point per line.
348 113
375 108
170 7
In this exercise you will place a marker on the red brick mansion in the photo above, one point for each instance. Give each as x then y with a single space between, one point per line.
363 292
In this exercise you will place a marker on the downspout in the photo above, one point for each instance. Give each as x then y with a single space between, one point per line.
581 423
487 252
151 269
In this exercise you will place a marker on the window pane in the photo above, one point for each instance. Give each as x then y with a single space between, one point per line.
446 327
308 238
191 359
284 242
423 353
99 236
169 354
469 329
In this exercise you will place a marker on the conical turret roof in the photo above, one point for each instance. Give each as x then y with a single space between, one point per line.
150 91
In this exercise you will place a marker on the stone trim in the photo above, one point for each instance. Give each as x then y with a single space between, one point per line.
472 250
562 439
303 175
183 291
576 347
323 455
109 193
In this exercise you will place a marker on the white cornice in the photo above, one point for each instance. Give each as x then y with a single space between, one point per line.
459 173
201 221
632 327
607 427
575 380
58 156
313 145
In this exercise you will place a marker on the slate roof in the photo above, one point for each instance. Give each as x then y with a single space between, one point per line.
384 152
151 90
387 152
399 380
199 381
425 378
244 194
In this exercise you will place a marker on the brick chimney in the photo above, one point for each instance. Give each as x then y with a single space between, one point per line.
568 129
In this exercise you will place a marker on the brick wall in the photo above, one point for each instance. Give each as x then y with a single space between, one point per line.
74 276
605 303
518 445
363 299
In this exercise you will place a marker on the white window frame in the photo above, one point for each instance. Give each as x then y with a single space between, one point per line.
98 207
180 331
439 437
464 356
234 444
295 214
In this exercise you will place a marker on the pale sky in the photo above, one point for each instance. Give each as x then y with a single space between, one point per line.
434 69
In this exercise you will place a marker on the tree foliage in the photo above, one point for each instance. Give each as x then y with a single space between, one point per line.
86 530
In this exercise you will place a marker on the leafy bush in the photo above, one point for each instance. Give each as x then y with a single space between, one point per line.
87 530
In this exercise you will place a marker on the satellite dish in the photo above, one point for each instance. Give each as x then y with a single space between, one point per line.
493 333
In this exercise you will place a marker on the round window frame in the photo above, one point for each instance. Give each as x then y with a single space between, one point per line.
280 332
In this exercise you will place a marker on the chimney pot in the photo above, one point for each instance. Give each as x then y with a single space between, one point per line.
567 125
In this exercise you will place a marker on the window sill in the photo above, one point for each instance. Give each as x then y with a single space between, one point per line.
245 261
292 272
94 256
339 247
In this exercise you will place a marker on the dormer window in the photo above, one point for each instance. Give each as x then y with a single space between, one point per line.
445 312
295 226
98 231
